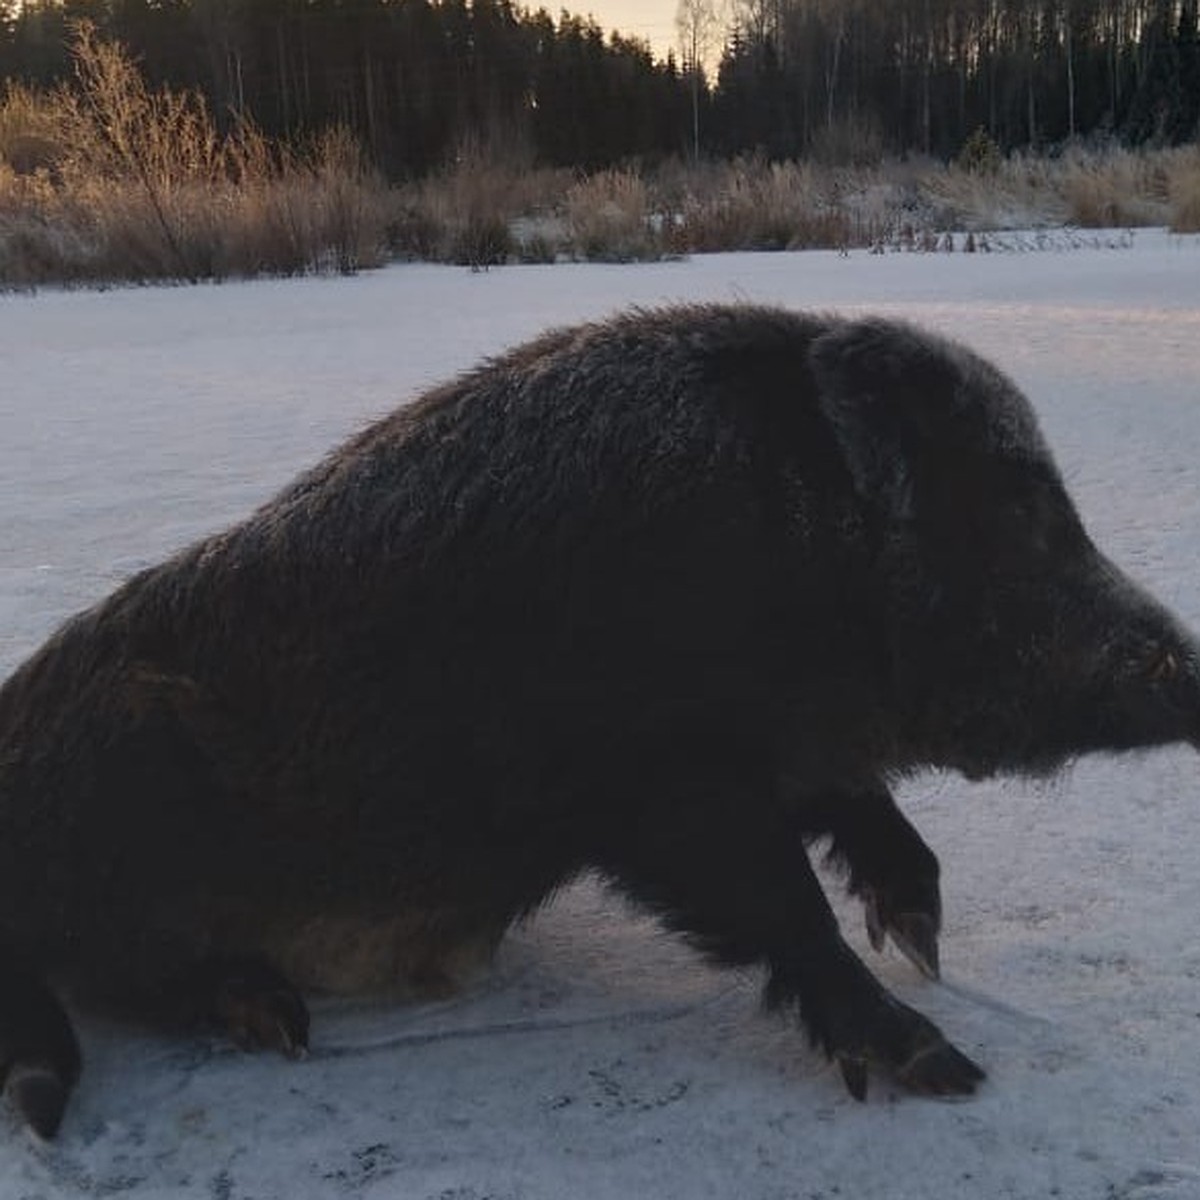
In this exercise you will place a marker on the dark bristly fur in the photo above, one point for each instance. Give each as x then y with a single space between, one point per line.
668 596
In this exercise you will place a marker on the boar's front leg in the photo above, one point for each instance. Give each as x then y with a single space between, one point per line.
731 872
887 865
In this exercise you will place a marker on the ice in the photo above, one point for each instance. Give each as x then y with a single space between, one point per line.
601 1059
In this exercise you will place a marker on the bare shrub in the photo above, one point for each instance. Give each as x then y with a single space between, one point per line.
148 146
29 129
753 205
477 210
30 244
413 230
609 218
471 202
347 206
141 186
480 209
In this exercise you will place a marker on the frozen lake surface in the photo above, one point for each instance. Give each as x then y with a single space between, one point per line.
601 1059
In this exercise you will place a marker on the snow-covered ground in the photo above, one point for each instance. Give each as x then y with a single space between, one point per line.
600 1059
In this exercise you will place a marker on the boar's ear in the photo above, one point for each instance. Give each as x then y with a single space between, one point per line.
882 385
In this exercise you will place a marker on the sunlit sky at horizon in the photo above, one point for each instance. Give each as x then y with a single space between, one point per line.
651 20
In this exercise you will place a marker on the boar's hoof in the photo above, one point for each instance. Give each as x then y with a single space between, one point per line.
260 1008
940 1070
914 933
39 1094
854 1072
916 1054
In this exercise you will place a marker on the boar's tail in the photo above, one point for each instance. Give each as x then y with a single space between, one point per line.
39 1052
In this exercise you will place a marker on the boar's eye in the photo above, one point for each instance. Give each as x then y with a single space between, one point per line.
1026 526
1021 516
1042 520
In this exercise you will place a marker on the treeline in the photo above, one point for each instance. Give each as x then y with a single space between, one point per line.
419 81
423 81
857 76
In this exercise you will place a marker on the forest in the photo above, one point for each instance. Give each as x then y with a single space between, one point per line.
923 75
415 80
835 80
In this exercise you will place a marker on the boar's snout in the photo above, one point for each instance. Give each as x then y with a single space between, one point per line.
1173 671
1104 667
1155 676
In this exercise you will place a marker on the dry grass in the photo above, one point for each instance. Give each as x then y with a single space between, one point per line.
29 133
1183 191
1110 189
609 218
1014 193
753 205
111 181
487 207
1121 188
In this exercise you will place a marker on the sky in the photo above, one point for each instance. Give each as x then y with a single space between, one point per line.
652 20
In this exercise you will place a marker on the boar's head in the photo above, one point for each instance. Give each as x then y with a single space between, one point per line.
1014 644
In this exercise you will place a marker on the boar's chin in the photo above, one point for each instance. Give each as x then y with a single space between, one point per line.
985 746
1047 747
1035 765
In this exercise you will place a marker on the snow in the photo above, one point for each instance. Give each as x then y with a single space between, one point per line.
600 1059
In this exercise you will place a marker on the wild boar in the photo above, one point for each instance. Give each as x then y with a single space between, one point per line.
669 597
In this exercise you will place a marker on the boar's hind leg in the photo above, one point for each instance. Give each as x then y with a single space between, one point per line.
39 1053
887 865
244 996
743 891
